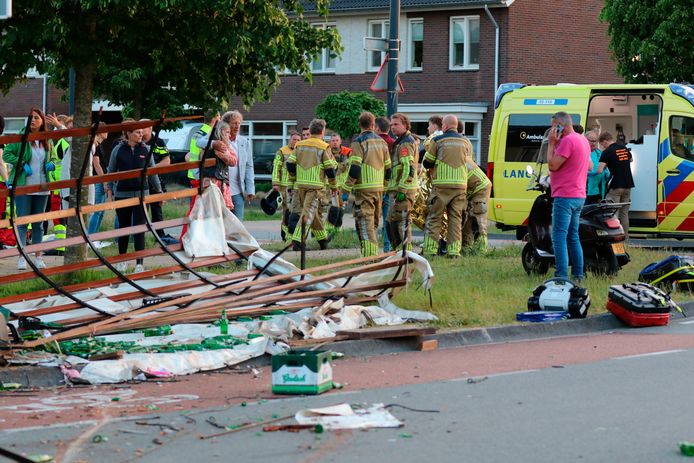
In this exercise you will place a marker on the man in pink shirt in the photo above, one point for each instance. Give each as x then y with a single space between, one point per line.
568 158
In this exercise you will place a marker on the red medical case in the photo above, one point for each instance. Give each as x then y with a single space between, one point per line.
639 304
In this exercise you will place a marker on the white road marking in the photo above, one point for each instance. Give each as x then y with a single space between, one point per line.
650 354
688 322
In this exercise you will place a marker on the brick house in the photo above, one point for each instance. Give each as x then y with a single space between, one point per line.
448 60
449 63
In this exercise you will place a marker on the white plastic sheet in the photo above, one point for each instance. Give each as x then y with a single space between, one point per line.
343 416
212 226
205 236
177 363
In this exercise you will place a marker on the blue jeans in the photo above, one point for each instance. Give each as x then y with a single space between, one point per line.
97 217
385 207
565 240
239 202
30 205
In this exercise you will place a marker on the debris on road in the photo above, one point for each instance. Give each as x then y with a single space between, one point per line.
687 448
344 416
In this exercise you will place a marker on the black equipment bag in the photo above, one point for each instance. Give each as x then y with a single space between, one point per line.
673 272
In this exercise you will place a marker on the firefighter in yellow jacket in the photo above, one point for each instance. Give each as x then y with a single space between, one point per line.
367 173
280 179
402 188
446 160
309 166
479 189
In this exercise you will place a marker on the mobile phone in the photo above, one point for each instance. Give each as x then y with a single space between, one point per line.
560 129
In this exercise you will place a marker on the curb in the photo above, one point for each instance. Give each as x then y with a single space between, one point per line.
42 377
31 376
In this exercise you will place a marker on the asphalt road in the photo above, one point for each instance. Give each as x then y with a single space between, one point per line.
610 396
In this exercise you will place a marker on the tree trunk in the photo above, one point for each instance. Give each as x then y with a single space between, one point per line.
84 94
137 103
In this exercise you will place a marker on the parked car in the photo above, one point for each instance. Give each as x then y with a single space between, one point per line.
178 143
264 152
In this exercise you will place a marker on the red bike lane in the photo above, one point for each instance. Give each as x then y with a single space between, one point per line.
228 387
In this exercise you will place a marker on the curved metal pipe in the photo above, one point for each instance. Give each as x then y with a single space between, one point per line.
148 220
80 218
20 247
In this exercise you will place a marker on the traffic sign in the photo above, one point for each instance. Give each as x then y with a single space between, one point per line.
375 44
5 9
380 83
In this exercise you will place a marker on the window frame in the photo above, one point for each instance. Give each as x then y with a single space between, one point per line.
466 66
410 45
325 53
687 137
385 23
475 138
287 126
9 121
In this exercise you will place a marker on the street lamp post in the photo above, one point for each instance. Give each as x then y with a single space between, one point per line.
393 57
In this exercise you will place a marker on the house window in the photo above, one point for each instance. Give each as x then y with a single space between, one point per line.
472 132
377 29
464 42
416 48
324 62
266 137
14 124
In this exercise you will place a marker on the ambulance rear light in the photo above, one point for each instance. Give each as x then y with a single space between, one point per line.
503 90
684 91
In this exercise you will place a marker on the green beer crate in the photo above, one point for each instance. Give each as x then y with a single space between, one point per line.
302 372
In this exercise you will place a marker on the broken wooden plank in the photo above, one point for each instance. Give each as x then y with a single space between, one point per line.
383 332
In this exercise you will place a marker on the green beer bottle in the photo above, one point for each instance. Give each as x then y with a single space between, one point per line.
224 323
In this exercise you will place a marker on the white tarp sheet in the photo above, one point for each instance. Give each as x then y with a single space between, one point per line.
176 363
212 225
343 416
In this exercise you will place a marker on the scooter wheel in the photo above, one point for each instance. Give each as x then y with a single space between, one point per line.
532 264
601 262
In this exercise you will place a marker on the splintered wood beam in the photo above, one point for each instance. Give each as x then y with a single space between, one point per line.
83 331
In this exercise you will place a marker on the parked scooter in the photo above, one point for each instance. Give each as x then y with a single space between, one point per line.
600 232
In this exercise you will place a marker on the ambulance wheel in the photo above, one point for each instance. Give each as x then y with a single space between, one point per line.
532 264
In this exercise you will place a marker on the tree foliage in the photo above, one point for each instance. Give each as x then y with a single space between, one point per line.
341 110
203 52
652 40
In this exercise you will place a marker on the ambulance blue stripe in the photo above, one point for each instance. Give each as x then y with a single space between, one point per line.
672 181
664 150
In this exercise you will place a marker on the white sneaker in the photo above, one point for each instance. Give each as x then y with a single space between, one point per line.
139 268
121 266
102 244
21 263
39 262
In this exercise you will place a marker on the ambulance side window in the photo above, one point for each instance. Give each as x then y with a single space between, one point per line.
525 134
682 137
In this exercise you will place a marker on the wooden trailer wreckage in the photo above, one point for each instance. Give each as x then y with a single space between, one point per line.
178 306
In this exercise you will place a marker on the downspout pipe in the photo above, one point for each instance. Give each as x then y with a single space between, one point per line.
44 92
496 48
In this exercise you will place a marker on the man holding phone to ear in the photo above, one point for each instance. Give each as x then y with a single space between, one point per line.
568 158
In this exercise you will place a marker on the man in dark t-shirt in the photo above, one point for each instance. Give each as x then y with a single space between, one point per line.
617 158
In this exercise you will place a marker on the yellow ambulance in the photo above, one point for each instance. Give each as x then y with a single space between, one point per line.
655 121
